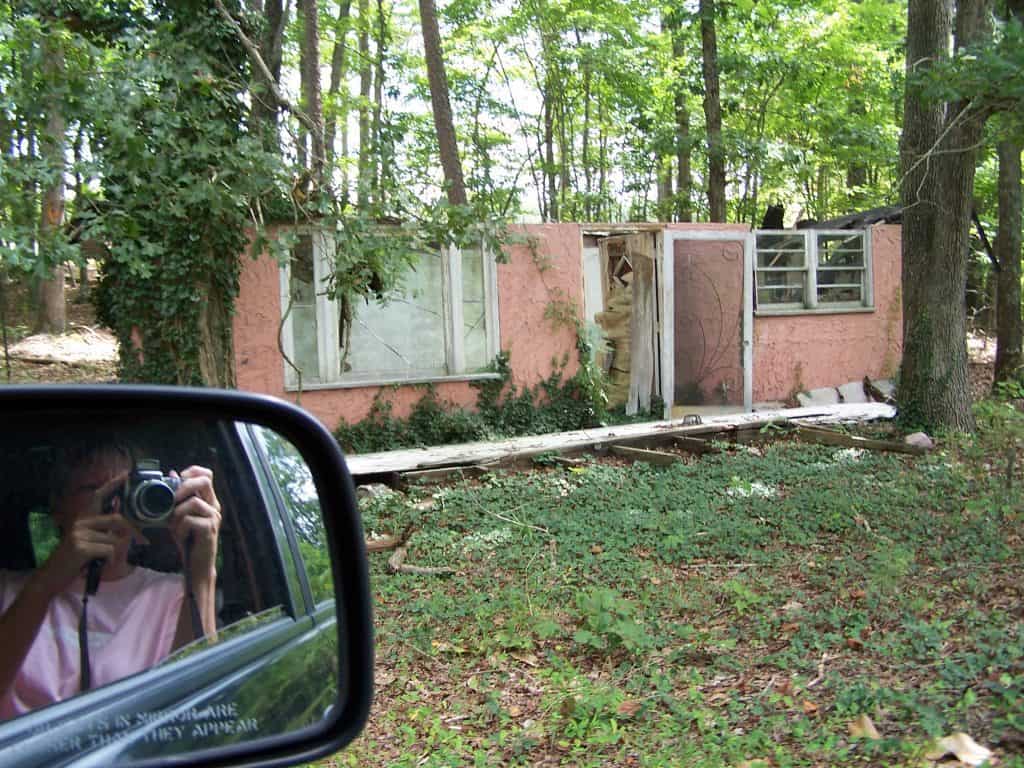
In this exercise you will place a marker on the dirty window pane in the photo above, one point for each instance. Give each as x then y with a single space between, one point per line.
302 291
405 335
841 250
781 251
474 314
780 287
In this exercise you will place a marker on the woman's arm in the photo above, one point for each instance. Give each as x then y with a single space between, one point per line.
87 539
197 520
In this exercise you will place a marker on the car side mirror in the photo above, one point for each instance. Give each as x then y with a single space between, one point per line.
183 579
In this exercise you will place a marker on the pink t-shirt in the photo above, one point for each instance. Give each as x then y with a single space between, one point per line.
132 622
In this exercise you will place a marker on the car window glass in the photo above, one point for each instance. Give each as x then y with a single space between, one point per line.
295 481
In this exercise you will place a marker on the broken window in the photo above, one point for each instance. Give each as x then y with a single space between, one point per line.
813 270
441 323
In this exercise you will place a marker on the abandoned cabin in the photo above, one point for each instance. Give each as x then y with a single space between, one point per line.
706 317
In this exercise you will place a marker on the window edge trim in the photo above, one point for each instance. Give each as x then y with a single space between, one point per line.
395 381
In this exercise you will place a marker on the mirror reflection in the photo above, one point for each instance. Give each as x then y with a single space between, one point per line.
130 552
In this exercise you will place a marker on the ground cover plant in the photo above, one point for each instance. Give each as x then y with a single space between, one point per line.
773 605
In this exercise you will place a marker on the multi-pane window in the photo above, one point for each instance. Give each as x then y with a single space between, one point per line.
443 322
813 269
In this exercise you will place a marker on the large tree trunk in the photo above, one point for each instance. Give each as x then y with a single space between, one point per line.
937 161
712 112
1009 330
52 316
443 122
309 74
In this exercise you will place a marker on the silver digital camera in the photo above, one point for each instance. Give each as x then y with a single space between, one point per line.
147 498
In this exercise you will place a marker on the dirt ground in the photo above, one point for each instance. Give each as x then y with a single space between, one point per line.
85 354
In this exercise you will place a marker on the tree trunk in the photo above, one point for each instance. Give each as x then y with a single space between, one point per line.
365 77
937 163
441 105
309 73
52 316
378 104
684 176
338 71
712 112
264 109
1009 330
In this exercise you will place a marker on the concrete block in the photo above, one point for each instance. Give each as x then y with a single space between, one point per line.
823 396
853 392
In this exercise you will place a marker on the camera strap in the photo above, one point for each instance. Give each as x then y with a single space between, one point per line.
85 671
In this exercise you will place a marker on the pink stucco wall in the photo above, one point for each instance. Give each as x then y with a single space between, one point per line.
798 352
537 274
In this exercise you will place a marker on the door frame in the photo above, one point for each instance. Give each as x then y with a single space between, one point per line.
668 330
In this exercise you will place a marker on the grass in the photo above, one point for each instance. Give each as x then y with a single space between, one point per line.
740 609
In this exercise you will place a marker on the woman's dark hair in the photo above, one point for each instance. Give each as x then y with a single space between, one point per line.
80 448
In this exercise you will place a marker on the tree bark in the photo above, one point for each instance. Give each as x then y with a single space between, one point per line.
937 159
52 315
339 62
684 176
1009 330
455 184
712 112
378 104
365 84
309 73
265 108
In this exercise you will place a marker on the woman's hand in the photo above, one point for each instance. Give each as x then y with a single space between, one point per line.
90 536
197 513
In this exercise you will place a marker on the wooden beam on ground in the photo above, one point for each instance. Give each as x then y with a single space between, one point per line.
657 458
822 436
694 445
480 453
442 474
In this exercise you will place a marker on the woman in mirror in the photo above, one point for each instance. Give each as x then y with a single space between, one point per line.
87 617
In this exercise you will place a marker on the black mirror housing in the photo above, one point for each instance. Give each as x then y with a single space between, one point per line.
264 636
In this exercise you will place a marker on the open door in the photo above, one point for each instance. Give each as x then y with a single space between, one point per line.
706 334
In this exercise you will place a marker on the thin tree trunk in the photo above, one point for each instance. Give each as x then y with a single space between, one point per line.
378 103
443 123
937 162
265 108
365 77
585 159
712 112
684 175
309 66
1009 330
339 62
52 316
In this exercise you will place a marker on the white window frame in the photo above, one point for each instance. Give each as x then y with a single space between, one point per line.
327 317
810 271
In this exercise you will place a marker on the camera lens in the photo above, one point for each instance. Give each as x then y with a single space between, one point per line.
154 501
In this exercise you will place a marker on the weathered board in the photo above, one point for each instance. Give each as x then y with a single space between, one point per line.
480 453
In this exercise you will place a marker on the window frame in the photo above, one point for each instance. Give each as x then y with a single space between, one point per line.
329 345
810 271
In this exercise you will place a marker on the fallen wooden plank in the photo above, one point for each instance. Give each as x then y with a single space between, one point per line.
442 474
481 453
821 436
656 458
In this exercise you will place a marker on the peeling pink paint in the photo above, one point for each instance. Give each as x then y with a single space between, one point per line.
790 352
798 352
535 276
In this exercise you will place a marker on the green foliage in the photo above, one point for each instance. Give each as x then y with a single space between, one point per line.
556 404
179 174
602 610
